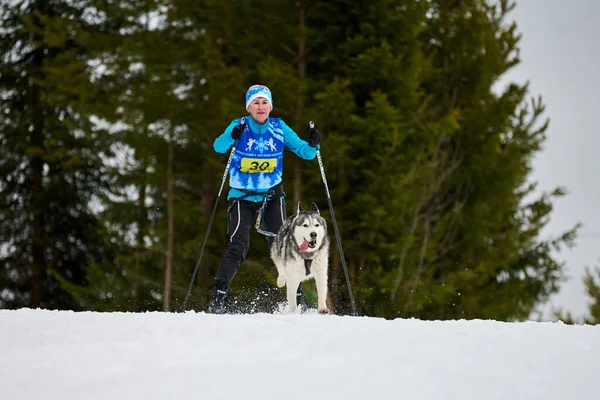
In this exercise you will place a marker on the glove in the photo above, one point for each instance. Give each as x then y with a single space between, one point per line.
314 137
237 131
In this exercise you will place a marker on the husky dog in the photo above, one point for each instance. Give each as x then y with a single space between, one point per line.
301 252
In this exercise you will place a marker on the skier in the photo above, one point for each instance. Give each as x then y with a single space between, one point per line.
255 180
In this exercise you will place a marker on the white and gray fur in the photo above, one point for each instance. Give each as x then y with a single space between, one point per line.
289 259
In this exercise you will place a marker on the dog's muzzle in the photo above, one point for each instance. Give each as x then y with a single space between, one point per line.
312 243
309 244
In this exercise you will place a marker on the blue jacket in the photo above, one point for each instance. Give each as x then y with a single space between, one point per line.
257 131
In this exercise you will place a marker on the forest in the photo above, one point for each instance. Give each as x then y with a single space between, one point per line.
108 176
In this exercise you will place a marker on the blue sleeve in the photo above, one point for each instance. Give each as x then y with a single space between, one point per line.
225 141
298 146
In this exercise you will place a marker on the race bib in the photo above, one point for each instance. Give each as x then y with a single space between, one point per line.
258 164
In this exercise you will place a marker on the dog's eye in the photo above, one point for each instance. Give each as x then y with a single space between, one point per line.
305 225
317 225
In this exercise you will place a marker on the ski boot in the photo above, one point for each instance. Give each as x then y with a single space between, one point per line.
217 302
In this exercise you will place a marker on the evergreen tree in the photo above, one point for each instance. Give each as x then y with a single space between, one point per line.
591 280
592 287
51 165
134 203
434 163
246 54
174 91
491 262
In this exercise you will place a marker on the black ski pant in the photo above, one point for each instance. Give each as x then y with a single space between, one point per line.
242 216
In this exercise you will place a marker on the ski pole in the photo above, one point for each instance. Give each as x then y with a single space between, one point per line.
210 221
337 233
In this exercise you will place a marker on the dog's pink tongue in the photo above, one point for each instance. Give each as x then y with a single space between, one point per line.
304 246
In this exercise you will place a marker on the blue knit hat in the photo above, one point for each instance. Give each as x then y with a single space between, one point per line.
258 91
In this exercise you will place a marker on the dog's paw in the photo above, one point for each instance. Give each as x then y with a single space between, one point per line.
324 311
281 281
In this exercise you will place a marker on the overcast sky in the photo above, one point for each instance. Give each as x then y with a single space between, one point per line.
560 57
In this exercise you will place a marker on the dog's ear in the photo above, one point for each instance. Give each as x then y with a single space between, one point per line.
300 208
314 208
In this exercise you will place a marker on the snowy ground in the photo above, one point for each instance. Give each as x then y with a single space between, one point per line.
67 355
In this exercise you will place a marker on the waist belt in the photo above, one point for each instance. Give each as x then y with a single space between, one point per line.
265 195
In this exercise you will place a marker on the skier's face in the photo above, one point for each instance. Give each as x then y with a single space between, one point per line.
259 109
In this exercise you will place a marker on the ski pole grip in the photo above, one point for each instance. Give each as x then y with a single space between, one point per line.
312 126
243 125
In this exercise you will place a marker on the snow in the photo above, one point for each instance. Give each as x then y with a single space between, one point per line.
86 355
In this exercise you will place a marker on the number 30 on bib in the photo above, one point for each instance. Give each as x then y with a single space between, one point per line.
258 164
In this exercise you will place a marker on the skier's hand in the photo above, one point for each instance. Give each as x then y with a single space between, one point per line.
238 130
314 137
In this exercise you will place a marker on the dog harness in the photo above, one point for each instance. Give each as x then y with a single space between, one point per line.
307 264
